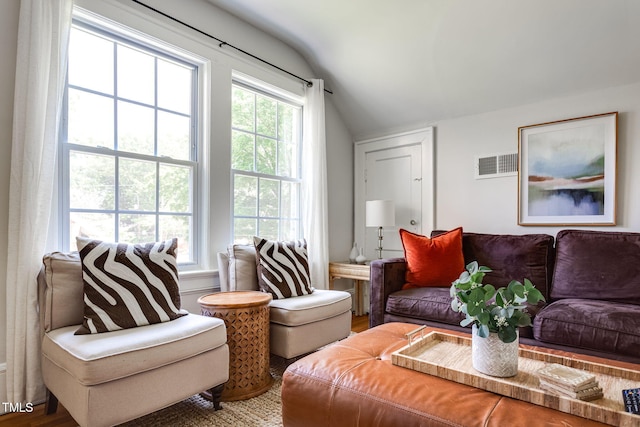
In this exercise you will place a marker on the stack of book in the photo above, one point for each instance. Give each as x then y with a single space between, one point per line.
570 382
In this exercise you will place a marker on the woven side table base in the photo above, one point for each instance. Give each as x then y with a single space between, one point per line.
247 322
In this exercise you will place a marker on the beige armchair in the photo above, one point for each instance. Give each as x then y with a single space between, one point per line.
109 378
298 325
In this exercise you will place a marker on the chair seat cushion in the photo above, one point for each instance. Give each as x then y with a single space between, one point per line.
319 305
99 358
590 324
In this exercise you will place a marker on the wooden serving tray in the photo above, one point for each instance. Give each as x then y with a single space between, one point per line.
449 357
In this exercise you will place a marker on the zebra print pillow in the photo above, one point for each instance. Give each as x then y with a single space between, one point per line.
283 268
126 286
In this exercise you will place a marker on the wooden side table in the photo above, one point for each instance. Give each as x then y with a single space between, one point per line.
246 316
360 273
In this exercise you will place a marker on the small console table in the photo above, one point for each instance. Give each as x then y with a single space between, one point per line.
360 273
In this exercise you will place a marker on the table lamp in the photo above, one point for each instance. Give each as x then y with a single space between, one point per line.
380 213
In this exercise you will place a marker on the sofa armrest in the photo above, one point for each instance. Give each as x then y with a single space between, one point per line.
387 276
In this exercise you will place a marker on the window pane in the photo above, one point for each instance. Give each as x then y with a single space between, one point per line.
242 115
174 136
90 61
266 155
91 181
245 200
174 86
289 229
175 188
90 119
269 197
290 200
137 228
98 226
287 160
244 229
266 116
285 122
269 229
137 185
136 75
177 226
135 128
242 151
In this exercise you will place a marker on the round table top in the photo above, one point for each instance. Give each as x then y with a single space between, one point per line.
236 299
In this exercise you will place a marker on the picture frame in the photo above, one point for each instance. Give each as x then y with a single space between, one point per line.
567 171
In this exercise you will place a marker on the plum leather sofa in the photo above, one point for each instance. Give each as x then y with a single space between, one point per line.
590 280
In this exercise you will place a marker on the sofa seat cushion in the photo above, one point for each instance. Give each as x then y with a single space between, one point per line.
430 304
588 324
319 305
98 358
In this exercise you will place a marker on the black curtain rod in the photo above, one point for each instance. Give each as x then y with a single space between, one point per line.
222 43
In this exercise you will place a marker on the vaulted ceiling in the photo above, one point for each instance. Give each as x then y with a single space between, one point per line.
397 65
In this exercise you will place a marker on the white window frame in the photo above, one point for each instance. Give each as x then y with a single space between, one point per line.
122 34
279 95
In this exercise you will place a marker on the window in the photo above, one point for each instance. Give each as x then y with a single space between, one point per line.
128 152
265 162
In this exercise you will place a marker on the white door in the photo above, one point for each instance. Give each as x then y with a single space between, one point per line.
394 174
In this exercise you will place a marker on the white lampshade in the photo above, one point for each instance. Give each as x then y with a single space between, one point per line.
380 213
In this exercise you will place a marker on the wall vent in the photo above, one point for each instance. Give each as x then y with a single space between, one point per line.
497 165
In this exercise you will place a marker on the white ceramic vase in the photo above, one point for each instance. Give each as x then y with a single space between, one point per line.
492 356
354 253
361 259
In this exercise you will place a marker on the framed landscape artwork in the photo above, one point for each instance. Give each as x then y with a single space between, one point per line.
567 172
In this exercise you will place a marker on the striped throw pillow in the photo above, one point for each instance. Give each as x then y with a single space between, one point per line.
126 285
283 267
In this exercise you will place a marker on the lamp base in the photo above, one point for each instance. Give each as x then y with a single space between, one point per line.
379 248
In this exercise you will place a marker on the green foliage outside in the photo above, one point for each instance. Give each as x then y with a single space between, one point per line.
265 145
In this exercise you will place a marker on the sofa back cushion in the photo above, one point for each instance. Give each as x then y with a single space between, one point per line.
601 265
61 291
242 273
512 257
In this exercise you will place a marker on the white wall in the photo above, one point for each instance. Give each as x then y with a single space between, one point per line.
490 205
208 18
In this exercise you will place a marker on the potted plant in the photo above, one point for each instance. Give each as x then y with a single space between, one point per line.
496 315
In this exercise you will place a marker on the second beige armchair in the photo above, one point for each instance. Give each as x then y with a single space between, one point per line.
298 325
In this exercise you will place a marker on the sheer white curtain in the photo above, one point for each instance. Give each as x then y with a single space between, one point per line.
314 199
43 35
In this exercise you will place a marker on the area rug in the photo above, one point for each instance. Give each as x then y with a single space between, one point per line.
264 410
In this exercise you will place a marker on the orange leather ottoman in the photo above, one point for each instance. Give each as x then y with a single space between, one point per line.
354 383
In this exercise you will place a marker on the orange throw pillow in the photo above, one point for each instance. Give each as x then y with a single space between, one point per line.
436 261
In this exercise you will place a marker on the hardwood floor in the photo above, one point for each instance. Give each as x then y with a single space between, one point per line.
61 418
37 418
359 323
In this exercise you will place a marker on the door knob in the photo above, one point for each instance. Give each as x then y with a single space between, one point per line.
413 222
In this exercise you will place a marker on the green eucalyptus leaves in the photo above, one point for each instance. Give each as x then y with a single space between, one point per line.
501 310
